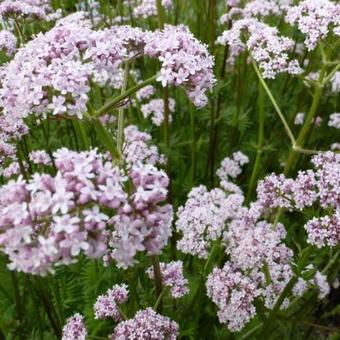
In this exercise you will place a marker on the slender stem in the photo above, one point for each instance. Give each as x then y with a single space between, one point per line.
49 308
193 145
267 324
81 132
161 14
106 139
18 302
122 313
158 281
158 301
18 29
116 100
276 106
331 74
260 140
250 332
166 122
120 136
306 125
331 262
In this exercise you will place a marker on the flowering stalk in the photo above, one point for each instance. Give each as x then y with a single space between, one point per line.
161 22
158 281
214 114
18 301
116 100
286 291
276 106
120 136
259 150
307 123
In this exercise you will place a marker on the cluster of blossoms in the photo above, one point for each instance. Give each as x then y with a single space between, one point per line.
137 148
203 218
40 157
264 44
148 8
172 277
146 324
11 170
234 294
230 168
49 220
30 9
145 92
155 109
52 72
184 61
106 305
74 328
8 42
256 9
259 268
334 120
314 18
259 265
142 224
311 186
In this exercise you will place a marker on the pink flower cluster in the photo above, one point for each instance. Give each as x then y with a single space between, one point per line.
145 92
74 328
8 42
184 61
137 148
146 324
313 18
155 109
106 305
52 72
26 8
259 267
148 8
203 219
230 168
51 219
264 44
234 295
256 9
311 186
172 277
142 224
40 157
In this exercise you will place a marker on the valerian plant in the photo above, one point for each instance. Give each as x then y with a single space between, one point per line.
169 169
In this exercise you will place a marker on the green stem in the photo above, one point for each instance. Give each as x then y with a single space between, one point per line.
260 140
49 308
193 145
106 139
306 125
276 106
18 29
81 132
161 14
120 136
158 301
116 100
268 323
158 281
18 302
